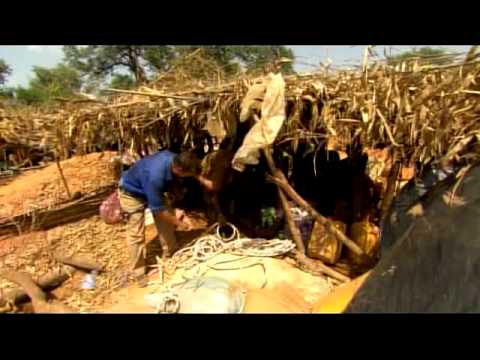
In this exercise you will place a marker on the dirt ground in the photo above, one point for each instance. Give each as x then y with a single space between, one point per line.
43 188
287 289
272 285
33 253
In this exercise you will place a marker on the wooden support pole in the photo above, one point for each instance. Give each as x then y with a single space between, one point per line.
296 235
297 238
63 178
316 267
330 227
391 187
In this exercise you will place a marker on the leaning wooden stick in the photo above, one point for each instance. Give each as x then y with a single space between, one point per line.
282 182
317 267
63 178
391 187
297 238
313 266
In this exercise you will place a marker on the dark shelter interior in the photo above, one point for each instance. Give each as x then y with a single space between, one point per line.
337 187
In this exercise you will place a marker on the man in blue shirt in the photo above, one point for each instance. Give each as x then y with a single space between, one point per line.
144 185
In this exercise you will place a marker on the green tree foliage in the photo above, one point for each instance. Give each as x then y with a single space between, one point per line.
5 71
231 58
158 58
121 81
223 56
434 56
101 61
7 92
60 81
31 95
255 57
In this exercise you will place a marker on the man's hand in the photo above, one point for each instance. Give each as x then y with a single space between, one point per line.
177 219
206 183
179 214
186 225
165 215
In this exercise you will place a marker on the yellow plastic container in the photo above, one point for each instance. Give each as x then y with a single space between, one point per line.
367 236
323 245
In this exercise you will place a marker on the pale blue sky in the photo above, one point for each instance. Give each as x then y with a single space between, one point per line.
23 58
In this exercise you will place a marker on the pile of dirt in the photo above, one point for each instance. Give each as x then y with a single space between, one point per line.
44 188
286 289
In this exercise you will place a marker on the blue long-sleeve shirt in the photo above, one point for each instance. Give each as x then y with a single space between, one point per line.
149 178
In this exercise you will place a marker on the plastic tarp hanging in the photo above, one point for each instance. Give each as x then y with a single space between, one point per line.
400 213
264 132
433 265
252 101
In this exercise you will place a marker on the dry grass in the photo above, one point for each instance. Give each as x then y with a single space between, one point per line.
423 111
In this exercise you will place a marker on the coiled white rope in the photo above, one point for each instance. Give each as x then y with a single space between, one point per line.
204 249
208 246
164 302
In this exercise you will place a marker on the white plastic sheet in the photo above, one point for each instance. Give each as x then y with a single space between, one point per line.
264 132
204 295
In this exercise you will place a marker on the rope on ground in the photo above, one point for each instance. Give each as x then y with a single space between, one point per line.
215 267
205 248
210 245
164 302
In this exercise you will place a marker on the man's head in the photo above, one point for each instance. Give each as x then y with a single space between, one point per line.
186 164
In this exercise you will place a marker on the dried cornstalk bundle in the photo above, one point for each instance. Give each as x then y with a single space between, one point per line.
422 110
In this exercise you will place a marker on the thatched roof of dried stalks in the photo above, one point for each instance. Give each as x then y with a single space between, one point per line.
422 110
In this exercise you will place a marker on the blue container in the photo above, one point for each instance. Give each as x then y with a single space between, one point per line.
304 223
89 282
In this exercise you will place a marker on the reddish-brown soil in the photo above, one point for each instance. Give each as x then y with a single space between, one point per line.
44 188
288 289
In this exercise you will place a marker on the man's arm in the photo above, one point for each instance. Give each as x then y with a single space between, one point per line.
165 215
156 203
154 190
209 185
